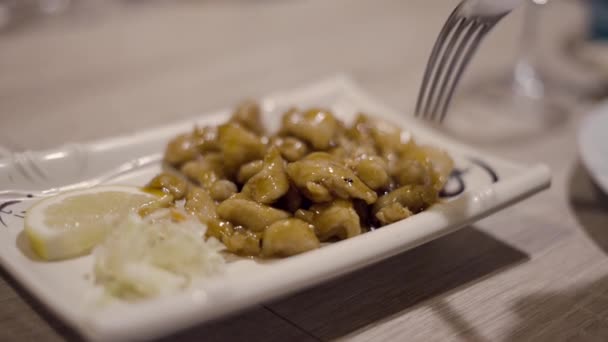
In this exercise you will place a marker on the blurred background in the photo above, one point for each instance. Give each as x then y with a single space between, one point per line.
79 70
109 67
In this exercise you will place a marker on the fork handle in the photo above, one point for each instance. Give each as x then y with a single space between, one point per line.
488 7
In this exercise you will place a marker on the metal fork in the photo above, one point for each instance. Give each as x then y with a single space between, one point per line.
455 46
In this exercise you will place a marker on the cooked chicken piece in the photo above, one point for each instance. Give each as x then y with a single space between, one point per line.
222 189
315 126
317 192
288 237
320 156
388 138
305 215
248 114
350 151
416 198
219 229
181 149
392 213
336 219
360 131
188 146
373 172
205 139
291 148
169 184
244 242
250 214
249 170
165 201
200 204
320 179
419 164
443 164
239 146
206 170
340 154
271 183
413 172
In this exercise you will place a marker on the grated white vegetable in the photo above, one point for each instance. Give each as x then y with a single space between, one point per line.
155 256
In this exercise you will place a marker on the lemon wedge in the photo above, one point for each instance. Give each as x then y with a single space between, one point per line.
72 223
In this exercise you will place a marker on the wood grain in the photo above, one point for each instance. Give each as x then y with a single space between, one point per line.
534 272
394 286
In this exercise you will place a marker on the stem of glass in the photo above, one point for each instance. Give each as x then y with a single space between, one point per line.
526 81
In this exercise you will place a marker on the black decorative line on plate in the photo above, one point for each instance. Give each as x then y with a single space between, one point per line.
457 177
486 167
5 210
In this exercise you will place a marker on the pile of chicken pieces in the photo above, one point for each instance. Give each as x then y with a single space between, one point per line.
316 180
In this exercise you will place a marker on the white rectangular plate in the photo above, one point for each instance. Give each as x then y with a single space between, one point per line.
481 185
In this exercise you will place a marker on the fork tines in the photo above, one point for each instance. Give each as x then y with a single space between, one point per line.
453 50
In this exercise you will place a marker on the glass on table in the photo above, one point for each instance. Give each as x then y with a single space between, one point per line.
522 105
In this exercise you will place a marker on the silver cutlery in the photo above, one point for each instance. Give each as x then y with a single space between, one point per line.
456 44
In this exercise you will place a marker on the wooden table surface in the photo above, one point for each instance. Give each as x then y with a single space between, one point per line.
536 271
